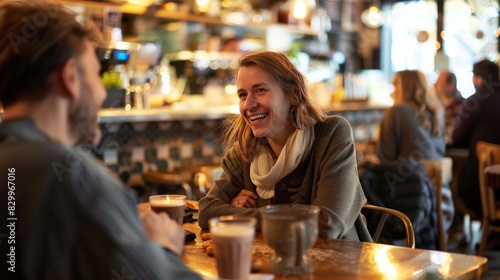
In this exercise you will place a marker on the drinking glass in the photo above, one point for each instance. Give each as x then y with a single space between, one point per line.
233 238
290 230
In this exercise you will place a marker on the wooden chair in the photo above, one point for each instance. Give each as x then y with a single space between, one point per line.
487 154
204 179
179 179
385 212
439 171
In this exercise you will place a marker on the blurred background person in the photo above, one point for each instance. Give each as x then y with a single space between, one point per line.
284 149
411 130
415 124
451 99
74 219
479 120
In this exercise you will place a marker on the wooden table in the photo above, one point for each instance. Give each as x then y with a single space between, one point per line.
344 259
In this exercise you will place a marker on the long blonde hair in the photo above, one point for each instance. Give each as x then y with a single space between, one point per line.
304 113
415 90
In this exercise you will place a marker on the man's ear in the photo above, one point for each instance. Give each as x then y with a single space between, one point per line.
69 78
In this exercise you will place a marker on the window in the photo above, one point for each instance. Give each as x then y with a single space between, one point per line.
470 34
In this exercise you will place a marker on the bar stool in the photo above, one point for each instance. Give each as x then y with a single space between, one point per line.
440 172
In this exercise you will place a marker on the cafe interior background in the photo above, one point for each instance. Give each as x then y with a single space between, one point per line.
166 68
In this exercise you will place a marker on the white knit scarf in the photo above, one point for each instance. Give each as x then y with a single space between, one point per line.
265 173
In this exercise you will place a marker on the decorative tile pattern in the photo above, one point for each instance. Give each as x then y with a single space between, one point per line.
133 148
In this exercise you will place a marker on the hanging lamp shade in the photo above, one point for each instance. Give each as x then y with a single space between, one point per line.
373 17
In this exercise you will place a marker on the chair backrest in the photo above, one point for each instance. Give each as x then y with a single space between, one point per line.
385 212
439 171
487 154
205 178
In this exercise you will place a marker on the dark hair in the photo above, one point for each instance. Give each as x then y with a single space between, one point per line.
451 78
36 39
487 70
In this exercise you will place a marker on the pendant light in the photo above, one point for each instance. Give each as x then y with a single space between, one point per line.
373 17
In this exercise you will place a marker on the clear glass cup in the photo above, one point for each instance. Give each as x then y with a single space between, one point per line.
233 238
290 230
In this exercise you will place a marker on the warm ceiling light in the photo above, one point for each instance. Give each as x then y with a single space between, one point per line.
438 45
373 17
443 35
299 10
145 3
202 5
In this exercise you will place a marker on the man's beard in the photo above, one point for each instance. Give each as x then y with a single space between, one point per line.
83 120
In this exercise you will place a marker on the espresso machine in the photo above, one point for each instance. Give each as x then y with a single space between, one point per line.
114 58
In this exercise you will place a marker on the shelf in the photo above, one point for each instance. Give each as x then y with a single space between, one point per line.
170 15
202 55
132 9
163 14
90 4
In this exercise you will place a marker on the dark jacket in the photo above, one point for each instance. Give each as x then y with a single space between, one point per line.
479 120
72 219
405 187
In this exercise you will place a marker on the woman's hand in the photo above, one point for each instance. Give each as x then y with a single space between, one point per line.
246 199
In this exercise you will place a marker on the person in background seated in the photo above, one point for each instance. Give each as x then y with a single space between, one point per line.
71 217
411 130
415 124
285 150
451 99
477 121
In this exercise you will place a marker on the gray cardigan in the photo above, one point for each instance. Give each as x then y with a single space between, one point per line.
327 178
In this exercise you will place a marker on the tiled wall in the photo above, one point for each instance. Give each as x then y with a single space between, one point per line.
133 148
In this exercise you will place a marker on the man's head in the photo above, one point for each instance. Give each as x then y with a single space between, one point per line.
485 72
446 84
45 51
446 88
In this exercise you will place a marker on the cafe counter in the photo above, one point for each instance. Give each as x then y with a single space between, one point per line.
175 112
186 111
173 137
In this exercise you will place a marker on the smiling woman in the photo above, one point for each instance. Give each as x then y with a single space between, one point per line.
285 150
